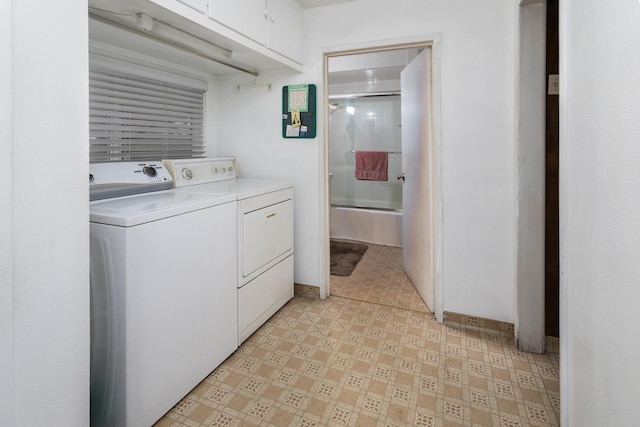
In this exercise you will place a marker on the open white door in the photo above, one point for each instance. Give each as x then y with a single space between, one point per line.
417 226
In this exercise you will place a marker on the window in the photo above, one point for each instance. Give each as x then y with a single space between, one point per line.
135 117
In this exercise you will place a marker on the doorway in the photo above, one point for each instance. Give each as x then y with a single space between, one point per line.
370 77
552 180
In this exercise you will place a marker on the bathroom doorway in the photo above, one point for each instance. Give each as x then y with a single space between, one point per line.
364 114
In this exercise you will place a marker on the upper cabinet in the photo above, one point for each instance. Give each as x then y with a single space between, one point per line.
247 17
285 29
245 35
276 24
199 5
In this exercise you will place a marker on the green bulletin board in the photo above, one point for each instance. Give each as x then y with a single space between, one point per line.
299 111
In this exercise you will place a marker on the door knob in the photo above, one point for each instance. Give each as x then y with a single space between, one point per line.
400 177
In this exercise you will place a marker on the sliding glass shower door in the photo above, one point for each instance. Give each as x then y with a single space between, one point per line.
365 122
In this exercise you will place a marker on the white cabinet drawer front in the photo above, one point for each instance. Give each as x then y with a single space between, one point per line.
259 299
267 234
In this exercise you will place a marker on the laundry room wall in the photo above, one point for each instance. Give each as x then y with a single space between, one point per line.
478 80
44 227
599 221
7 397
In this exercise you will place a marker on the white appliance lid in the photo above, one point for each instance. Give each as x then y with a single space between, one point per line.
117 179
135 210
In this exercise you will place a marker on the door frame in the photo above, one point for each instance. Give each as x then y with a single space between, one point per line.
432 40
530 174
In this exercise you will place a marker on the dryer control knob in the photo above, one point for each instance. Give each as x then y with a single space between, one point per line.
187 173
150 171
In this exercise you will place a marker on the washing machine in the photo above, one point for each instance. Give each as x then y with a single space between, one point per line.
163 291
264 234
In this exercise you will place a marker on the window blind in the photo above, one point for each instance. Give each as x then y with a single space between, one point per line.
137 118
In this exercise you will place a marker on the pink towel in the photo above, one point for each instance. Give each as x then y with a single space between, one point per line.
372 165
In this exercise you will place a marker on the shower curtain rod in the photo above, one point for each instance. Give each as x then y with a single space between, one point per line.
363 95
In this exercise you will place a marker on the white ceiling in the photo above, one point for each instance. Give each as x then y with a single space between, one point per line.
370 68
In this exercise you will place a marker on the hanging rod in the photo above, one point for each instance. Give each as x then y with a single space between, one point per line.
363 95
388 152
98 15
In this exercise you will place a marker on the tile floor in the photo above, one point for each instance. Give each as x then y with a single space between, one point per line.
348 362
379 278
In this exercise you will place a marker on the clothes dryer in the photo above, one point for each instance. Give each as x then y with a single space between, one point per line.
264 234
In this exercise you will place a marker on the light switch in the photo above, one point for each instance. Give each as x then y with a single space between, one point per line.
554 84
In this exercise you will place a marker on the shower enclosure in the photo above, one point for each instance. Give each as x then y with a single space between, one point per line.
365 115
364 122
364 210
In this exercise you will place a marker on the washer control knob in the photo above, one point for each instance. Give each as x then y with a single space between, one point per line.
187 173
150 171
230 168
91 178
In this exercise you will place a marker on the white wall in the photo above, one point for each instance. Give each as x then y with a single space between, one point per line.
247 124
599 212
478 72
44 242
7 380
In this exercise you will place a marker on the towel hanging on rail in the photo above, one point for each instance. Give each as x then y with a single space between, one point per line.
372 165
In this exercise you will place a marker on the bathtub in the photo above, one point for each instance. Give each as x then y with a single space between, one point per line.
380 227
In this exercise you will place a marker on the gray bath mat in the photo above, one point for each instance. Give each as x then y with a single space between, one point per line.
344 257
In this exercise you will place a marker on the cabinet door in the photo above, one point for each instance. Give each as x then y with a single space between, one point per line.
199 5
285 29
267 234
247 17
